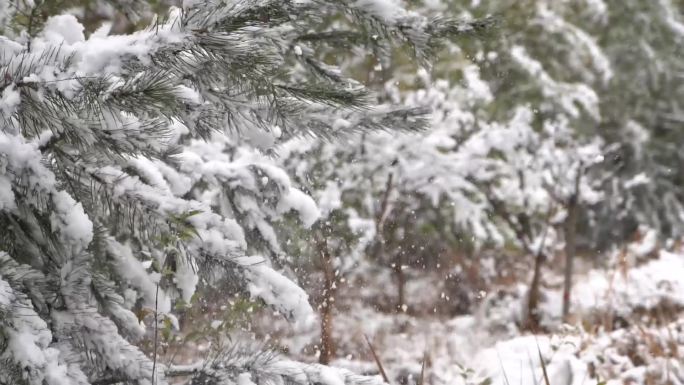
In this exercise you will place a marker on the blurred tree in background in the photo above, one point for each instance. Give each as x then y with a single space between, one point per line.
555 132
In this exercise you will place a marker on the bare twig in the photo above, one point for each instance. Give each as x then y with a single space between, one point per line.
156 325
377 360
29 28
543 365
503 370
184 370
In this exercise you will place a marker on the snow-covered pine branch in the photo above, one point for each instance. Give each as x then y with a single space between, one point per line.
129 171
229 365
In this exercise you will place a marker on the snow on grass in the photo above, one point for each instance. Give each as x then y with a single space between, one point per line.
647 286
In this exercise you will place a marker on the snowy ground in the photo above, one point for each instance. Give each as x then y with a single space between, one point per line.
629 329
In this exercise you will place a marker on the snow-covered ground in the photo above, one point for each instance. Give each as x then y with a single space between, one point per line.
628 329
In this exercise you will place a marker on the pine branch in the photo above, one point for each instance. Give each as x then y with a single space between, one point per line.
326 95
264 366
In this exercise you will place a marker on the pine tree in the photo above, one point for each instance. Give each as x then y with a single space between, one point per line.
504 161
129 170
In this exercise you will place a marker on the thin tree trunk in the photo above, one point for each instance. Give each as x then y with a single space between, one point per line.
400 277
401 262
570 229
382 214
327 339
327 305
533 322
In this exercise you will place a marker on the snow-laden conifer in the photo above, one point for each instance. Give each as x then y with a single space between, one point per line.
130 169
